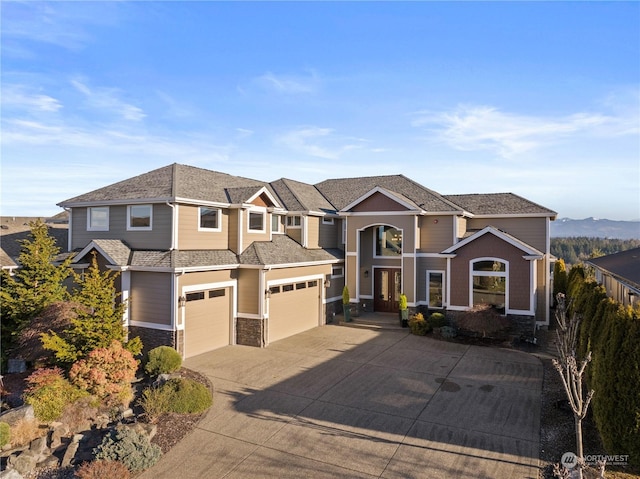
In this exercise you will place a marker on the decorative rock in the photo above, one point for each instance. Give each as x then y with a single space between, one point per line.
58 431
70 453
10 474
12 416
23 463
38 447
49 461
101 421
148 430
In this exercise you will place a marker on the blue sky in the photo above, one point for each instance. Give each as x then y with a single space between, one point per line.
541 99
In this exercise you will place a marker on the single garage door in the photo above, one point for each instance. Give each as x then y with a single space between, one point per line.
293 308
207 320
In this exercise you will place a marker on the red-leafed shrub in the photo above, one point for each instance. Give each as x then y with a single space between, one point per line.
107 373
49 392
102 469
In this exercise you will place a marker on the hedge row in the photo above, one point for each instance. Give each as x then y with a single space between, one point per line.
611 332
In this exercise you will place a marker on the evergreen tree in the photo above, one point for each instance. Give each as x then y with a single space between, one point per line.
559 278
38 282
99 319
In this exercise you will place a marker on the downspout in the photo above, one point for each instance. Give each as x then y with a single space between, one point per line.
70 229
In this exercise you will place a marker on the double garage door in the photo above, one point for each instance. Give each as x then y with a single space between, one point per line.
207 320
293 307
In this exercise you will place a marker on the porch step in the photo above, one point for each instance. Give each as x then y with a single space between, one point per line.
375 323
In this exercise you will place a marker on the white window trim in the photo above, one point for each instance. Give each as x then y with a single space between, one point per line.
327 220
139 228
218 213
504 274
339 275
280 229
263 212
100 228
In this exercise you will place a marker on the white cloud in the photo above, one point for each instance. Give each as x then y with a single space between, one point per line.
21 97
477 127
108 99
319 142
290 84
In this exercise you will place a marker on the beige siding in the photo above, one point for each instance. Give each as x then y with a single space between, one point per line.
203 277
462 226
408 275
150 300
295 234
249 296
190 238
158 238
233 230
284 273
250 237
313 232
436 233
378 202
532 231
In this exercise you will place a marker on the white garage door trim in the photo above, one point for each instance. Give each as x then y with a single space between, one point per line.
298 279
232 285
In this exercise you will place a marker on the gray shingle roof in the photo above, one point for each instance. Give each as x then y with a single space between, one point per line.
625 265
183 259
284 250
498 204
116 249
344 191
298 196
170 182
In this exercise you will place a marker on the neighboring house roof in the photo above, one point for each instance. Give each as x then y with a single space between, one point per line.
298 196
284 250
344 191
14 230
170 183
491 204
5 260
624 266
529 250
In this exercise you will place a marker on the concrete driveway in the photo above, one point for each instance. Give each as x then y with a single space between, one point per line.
345 402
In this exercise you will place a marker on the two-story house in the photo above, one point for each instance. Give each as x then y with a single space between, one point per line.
209 259
619 273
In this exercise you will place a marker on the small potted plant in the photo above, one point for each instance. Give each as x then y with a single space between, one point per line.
346 307
404 311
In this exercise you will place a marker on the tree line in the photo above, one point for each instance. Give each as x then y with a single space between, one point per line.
577 249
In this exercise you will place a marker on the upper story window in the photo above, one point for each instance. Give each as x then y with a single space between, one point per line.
327 220
388 241
257 221
98 218
294 221
276 223
139 217
209 219
491 265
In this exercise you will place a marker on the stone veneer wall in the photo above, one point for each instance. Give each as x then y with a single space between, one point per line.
152 338
250 332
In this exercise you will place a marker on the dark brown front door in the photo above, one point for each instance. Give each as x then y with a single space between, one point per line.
387 288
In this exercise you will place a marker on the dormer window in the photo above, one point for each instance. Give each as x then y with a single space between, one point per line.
209 219
294 221
257 221
139 217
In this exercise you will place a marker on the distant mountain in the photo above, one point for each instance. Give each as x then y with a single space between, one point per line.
595 228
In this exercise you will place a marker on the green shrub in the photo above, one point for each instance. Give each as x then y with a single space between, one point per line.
107 373
163 360
179 395
418 325
49 392
103 469
437 320
5 434
132 449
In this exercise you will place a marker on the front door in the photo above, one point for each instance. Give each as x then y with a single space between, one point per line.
387 288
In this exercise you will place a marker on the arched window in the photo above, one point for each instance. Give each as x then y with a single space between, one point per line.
489 282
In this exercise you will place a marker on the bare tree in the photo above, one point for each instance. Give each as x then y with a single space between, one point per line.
570 372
